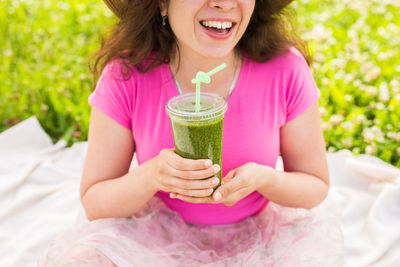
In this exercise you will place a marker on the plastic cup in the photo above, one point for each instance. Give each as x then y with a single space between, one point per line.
198 135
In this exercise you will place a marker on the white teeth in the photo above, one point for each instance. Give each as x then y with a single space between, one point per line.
217 24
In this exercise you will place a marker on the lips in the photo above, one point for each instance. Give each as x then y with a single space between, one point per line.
219 29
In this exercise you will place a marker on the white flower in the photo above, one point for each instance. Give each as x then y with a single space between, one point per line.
315 66
325 81
44 107
80 7
336 119
319 57
63 5
331 149
348 125
383 32
371 90
384 92
352 46
323 111
8 53
324 16
360 118
391 135
380 106
349 77
368 135
366 67
357 57
68 74
318 32
381 9
340 63
395 86
369 150
326 126
357 83
394 83
348 142
389 16
373 74
391 26
383 56
348 97
339 75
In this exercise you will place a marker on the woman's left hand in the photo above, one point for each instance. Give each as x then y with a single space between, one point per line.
241 182
237 184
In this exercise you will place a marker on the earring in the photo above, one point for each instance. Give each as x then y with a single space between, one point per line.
164 19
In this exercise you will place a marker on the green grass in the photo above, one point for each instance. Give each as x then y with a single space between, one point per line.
357 67
44 53
45 46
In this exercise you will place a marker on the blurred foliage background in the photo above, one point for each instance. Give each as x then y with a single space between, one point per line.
45 47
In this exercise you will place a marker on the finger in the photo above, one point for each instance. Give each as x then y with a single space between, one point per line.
195 199
197 174
194 184
234 197
201 193
228 177
234 184
180 163
174 184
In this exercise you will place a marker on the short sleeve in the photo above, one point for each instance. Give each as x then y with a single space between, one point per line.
114 95
301 91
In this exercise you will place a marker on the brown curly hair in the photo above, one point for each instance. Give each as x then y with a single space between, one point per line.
140 35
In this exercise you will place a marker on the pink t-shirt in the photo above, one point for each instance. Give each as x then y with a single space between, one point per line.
266 96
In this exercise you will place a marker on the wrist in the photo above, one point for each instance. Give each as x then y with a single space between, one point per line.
152 175
147 177
268 178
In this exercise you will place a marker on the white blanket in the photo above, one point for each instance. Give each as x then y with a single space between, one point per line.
39 198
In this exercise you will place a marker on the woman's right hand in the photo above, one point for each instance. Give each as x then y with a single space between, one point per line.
178 175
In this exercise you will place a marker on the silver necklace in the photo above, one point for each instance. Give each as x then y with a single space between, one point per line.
230 89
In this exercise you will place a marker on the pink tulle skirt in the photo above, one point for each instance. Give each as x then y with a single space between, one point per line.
157 236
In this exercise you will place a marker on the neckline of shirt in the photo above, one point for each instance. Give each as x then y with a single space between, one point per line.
238 88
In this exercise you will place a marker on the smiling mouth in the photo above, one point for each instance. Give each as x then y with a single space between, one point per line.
218 27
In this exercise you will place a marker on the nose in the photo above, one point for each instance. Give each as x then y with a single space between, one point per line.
223 4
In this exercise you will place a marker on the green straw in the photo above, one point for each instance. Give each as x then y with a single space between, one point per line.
202 77
220 67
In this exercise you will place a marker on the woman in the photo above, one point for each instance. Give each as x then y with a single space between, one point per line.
168 212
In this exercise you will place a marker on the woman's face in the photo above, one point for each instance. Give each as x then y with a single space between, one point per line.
210 28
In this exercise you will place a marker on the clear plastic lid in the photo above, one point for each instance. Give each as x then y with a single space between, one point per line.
183 106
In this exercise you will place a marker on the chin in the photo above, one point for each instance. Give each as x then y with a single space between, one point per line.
217 52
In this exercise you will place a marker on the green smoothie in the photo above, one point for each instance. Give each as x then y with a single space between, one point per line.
198 134
199 140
